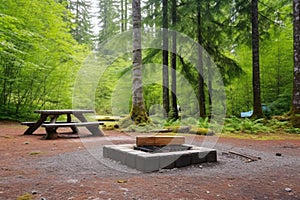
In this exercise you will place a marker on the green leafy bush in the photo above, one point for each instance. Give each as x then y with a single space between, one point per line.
246 125
282 104
203 123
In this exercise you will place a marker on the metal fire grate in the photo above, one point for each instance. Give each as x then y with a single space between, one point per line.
162 149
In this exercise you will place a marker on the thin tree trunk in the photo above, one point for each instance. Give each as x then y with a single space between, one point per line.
257 109
122 16
201 96
174 110
209 72
138 113
165 55
125 15
295 111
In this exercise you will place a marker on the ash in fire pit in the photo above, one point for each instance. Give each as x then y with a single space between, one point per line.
162 149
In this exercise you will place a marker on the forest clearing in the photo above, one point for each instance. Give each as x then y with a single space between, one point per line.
218 75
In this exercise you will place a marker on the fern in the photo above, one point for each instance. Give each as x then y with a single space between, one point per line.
203 123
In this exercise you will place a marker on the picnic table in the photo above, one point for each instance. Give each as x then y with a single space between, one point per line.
52 125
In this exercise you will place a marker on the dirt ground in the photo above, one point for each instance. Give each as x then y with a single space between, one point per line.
72 167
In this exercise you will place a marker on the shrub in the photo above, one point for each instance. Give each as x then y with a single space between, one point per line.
246 125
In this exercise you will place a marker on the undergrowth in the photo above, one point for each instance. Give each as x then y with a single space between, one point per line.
205 126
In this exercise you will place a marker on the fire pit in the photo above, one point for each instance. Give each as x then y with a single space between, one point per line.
162 149
161 144
159 152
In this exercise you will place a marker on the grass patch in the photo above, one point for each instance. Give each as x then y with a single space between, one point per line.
262 136
25 196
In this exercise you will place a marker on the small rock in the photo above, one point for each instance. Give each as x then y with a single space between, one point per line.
34 192
278 154
207 192
124 189
43 198
26 142
288 189
72 181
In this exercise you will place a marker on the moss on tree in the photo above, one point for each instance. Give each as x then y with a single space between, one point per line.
139 115
295 120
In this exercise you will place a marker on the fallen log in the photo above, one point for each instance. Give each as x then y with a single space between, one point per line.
251 158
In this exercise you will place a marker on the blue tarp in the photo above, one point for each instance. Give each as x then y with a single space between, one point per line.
247 114
265 109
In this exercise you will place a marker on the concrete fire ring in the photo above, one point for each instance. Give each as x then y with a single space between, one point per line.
150 162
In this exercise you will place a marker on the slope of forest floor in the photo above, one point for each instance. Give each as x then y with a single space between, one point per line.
73 168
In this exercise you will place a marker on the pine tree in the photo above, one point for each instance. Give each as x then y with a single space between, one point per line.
138 112
295 111
201 94
257 109
174 110
82 30
109 19
165 57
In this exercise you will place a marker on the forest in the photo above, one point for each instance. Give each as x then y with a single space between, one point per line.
46 46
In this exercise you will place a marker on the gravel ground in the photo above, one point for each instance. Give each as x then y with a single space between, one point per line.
74 168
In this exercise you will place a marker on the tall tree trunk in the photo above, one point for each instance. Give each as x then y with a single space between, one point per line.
165 55
125 15
257 109
138 112
209 72
201 96
122 16
174 110
295 111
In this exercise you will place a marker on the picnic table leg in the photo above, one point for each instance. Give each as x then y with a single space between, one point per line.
69 120
93 129
51 131
33 128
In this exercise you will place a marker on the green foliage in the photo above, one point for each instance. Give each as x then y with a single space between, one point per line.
241 125
38 57
203 123
172 122
200 131
108 18
128 125
246 125
25 196
275 124
82 28
141 129
282 104
293 130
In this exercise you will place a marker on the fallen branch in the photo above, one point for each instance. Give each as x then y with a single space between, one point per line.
251 158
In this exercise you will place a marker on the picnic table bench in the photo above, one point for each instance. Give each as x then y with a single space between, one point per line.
107 121
52 125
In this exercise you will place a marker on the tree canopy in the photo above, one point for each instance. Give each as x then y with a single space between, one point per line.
43 44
